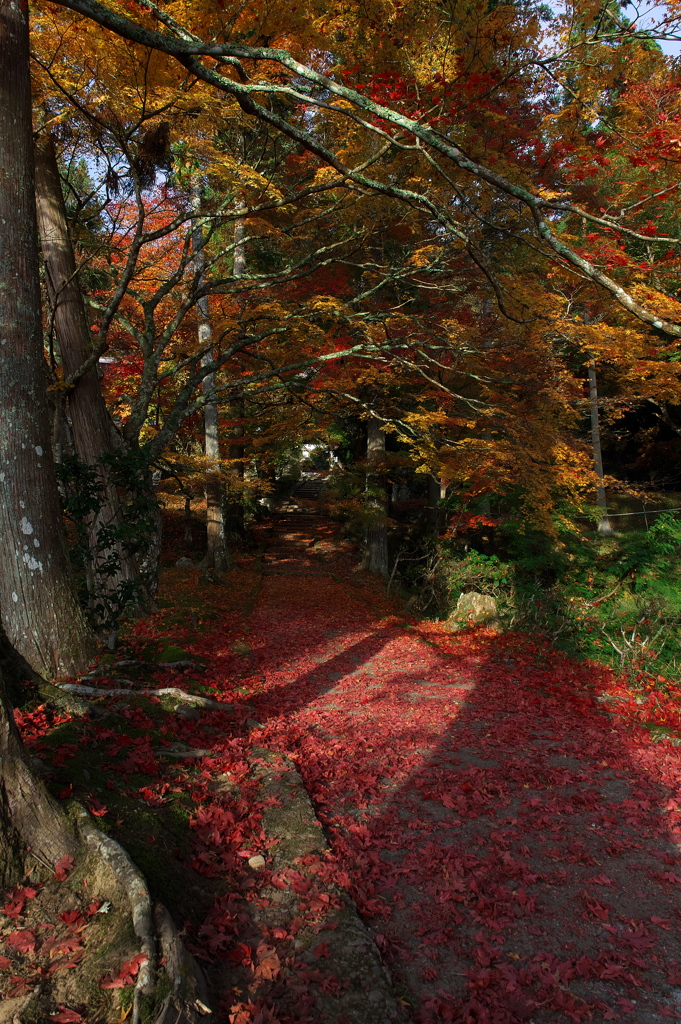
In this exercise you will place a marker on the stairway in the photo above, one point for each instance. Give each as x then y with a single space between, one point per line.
308 488
290 550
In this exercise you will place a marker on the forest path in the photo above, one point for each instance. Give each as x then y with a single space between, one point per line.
512 846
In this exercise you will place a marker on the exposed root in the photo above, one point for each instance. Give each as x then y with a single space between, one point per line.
31 998
166 691
140 905
103 670
188 1000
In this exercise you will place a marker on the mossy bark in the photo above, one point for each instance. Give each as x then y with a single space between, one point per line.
40 612
94 433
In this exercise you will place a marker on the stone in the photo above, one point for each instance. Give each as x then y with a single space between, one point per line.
183 563
256 862
187 711
479 609
223 783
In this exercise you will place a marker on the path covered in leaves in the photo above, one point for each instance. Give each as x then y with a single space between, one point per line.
510 840
507 821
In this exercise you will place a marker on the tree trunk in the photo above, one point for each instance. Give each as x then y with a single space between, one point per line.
40 611
237 410
436 492
112 571
217 556
604 527
376 533
30 819
235 506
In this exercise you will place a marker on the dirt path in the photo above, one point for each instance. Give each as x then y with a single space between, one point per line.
512 846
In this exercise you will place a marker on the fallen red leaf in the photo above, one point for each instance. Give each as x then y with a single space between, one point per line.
22 941
62 867
127 974
66 1016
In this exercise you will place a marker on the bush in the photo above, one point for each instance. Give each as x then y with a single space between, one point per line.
616 600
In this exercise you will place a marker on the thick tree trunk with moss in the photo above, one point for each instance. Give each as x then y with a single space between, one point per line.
40 611
376 532
111 569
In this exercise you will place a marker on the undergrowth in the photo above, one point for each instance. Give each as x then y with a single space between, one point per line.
615 600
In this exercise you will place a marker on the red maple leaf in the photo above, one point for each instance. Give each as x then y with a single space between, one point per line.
62 867
127 974
66 1016
22 941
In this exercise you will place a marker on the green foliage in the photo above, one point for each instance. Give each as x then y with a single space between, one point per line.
476 571
652 551
616 600
99 546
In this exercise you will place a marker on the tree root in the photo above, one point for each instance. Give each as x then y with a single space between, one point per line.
187 1003
188 1000
103 670
135 887
166 691
32 824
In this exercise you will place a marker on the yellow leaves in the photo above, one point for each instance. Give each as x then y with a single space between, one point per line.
270 310
330 306
547 193
424 257
375 333
326 175
226 170
662 305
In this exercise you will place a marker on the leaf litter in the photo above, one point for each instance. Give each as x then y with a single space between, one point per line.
505 819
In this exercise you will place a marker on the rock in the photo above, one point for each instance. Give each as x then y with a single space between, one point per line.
253 724
187 711
241 648
222 784
183 563
479 609
211 576
256 862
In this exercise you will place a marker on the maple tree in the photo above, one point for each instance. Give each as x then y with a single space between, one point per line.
430 225
543 119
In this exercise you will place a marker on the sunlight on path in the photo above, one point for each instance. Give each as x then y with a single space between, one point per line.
512 847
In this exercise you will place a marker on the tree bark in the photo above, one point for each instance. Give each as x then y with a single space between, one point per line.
30 819
40 611
376 533
604 527
110 567
436 492
236 527
217 556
